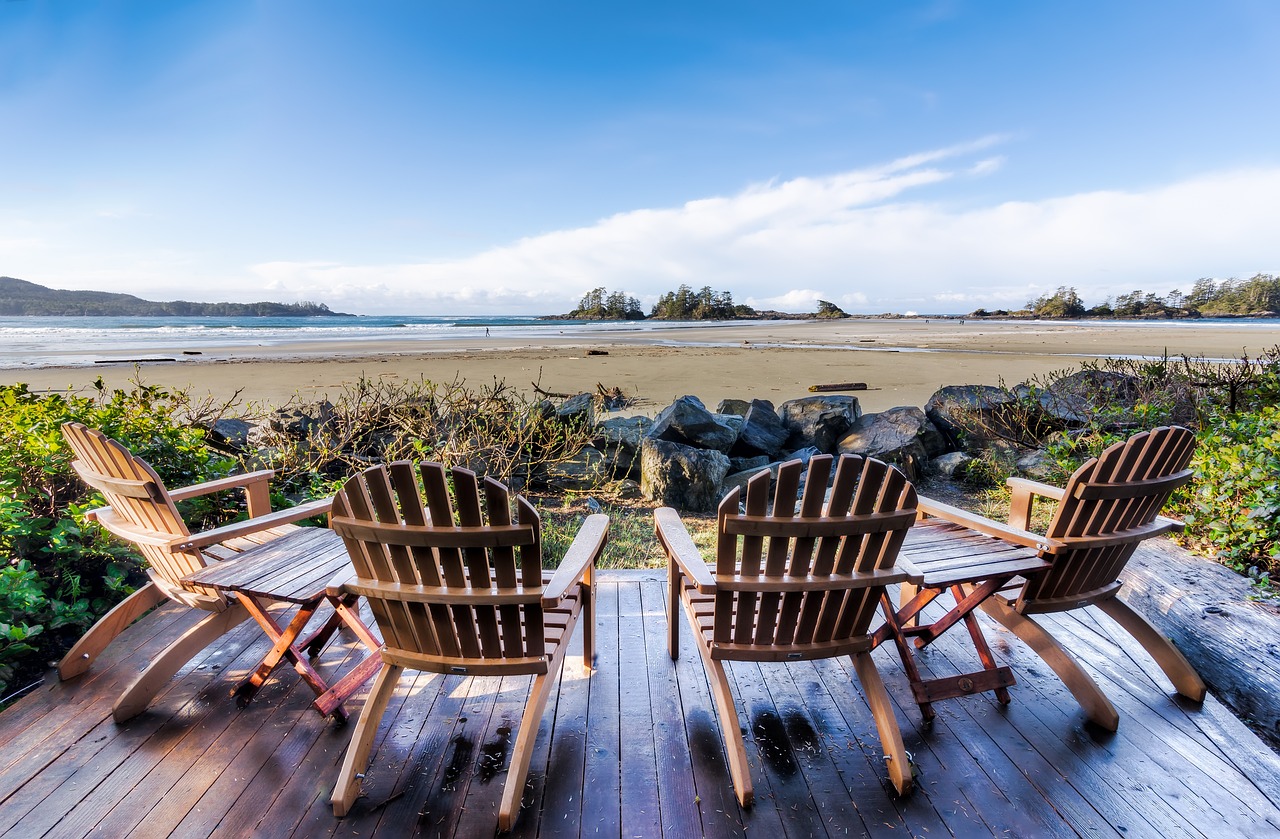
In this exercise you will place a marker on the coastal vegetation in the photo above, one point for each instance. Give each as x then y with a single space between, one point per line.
683 304
61 571
1258 296
20 298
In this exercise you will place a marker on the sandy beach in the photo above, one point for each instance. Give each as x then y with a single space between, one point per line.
902 361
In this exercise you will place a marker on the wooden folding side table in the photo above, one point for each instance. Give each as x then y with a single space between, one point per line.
942 557
297 568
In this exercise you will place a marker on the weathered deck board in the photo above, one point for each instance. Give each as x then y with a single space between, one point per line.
633 749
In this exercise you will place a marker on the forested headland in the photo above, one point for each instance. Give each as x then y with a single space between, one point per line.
1258 296
682 304
20 297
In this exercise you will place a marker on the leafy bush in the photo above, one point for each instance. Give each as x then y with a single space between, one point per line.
58 575
1232 505
1232 509
493 430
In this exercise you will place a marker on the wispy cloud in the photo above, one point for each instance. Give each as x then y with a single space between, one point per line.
876 239
853 238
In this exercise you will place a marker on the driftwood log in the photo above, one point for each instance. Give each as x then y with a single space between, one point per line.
1233 642
837 387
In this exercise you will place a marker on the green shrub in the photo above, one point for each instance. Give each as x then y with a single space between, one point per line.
1232 508
57 572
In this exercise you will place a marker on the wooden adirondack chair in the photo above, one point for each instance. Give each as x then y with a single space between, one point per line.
468 597
790 586
141 511
1109 505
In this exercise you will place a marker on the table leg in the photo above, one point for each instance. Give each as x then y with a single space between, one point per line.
282 647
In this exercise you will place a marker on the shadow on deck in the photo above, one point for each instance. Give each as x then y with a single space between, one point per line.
634 750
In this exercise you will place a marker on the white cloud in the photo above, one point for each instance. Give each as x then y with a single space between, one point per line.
867 240
853 239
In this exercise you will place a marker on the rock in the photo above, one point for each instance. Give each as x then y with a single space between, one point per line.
579 409
585 470
737 406
895 436
802 455
302 421
950 464
681 476
733 422
619 439
762 432
232 433
1038 465
966 415
819 421
748 464
688 422
740 476
626 489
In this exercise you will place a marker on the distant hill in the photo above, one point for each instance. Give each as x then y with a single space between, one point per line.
19 297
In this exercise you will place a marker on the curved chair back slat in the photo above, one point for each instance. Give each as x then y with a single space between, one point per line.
450 577
789 577
141 510
1113 500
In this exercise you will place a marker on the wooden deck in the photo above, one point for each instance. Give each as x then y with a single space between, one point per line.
633 751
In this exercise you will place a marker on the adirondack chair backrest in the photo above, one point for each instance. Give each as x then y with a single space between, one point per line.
141 510
1109 506
449 590
784 577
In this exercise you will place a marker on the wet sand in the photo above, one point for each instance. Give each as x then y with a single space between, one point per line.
902 362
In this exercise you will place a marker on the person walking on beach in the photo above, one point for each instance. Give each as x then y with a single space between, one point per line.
486 332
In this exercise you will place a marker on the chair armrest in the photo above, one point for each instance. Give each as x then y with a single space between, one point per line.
679 547
1175 525
254 485
1023 495
255 525
1036 488
1018 536
579 560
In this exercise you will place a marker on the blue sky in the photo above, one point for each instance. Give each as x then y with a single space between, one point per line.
506 157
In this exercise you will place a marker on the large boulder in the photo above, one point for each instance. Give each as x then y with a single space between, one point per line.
762 432
819 421
231 433
302 421
681 476
688 422
970 416
619 439
577 410
738 406
896 436
739 477
585 470
951 464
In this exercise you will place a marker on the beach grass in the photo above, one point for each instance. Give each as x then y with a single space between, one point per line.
632 543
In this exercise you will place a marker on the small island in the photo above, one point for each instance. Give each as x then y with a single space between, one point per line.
683 304
19 298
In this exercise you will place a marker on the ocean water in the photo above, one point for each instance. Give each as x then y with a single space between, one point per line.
32 342
27 342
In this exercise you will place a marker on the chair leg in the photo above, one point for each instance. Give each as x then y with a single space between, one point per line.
898 764
589 622
1174 664
1086 691
906 593
347 788
674 582
522 753
734 747
162 668
81 656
